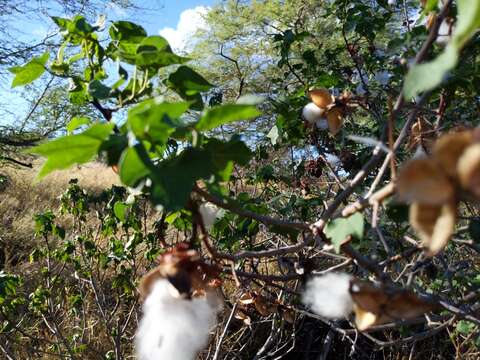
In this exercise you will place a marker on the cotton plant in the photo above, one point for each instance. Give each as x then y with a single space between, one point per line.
173 327
337 295
180 307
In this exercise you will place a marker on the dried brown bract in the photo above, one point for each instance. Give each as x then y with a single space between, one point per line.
376 305
434 185
184 269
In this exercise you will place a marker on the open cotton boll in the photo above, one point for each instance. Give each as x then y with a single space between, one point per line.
173 327
329 295
311 113
209 213
392 2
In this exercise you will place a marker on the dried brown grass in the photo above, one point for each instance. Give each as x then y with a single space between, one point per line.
25 196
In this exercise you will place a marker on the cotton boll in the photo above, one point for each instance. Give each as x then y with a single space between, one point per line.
329 295
130 199
392 2
311 113
209 213
172 327
444 32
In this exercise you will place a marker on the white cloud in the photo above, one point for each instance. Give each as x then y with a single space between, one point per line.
191 20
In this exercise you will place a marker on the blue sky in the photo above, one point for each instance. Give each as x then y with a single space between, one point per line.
175 20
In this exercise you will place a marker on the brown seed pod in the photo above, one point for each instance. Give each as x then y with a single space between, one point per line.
263 306
468 168
434 224
421 180
321 97
240 314
449 148
375 305
335 120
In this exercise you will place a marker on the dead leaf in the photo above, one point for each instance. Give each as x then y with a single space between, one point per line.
321 97
468 168
263 306
286 313
247 298
434 224
241 315
421 180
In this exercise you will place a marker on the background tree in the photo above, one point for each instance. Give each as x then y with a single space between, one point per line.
380 181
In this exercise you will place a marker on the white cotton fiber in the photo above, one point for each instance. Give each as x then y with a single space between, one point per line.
311 113
329 295
209 213
173 328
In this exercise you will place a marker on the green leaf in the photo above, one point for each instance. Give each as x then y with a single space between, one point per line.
224 154
465 327
155 51
76 122
429 75
120 210
78 25
174 178
155 121
8 285
98 90
62 23
127 31
188 84
225 114
430 6
77 92
189 80
114 147
30 71
233 150
65 151
134 165
338 230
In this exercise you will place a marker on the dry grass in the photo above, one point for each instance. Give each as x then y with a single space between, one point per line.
24 197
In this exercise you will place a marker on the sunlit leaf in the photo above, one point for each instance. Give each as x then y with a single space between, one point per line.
29 72
66 151
225 114
339 229
76 122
